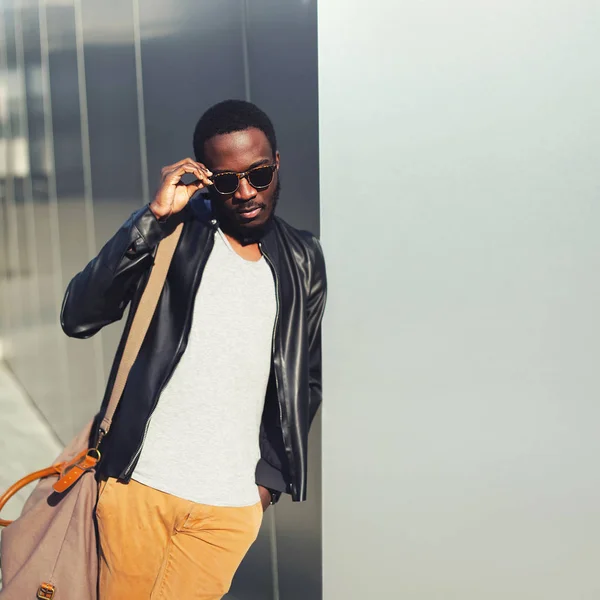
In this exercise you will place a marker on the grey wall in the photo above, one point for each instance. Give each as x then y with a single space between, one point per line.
460 145
95 97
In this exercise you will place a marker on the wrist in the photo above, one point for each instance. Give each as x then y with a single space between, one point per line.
267 496
159 212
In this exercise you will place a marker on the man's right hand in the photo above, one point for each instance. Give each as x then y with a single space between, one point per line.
173 194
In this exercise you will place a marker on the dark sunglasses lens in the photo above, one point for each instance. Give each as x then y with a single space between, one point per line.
261 178
226 183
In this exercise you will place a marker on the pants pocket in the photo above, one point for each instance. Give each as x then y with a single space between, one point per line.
103 488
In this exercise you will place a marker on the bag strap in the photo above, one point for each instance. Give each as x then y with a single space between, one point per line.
13 489
141 323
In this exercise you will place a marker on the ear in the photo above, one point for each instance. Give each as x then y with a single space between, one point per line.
277 159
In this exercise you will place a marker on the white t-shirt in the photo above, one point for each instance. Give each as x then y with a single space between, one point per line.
202 442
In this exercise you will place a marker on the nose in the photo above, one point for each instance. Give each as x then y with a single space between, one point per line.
245 191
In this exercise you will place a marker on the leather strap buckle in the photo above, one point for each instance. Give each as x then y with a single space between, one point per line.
46 591
74 469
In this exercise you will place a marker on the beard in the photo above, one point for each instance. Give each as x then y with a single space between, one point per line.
245 233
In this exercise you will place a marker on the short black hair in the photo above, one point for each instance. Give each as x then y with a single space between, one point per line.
229 116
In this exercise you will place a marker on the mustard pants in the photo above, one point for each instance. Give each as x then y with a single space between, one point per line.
157 546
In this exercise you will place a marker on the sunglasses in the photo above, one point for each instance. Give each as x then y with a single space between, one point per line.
259 178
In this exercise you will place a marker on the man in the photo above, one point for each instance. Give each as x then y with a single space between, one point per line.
213 423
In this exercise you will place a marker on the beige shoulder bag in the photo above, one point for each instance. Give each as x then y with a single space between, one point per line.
50 552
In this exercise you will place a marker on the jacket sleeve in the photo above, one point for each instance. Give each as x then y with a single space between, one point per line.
315 307
100 294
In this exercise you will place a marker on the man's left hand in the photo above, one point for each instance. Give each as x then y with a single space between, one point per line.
265 497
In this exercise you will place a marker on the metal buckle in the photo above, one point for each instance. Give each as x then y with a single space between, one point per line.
46 591
94 451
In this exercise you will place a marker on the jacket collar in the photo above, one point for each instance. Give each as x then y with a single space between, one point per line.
201 209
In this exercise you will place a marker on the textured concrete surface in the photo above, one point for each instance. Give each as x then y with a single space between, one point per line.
26 441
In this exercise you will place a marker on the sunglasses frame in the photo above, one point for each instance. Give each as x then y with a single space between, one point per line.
240 176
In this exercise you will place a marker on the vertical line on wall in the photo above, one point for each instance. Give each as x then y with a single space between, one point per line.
4 276
137 43
245 54
31 274
274 555
57 278
85 133
87 176
13 263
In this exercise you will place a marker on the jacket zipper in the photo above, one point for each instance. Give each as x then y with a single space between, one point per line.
189 318
275 328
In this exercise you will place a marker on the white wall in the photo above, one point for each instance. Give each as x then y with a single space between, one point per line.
460 160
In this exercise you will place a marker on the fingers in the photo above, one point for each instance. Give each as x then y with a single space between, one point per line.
174 177
204 176
181 162
193 187
172 174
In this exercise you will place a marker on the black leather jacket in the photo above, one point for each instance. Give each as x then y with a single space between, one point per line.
116 278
